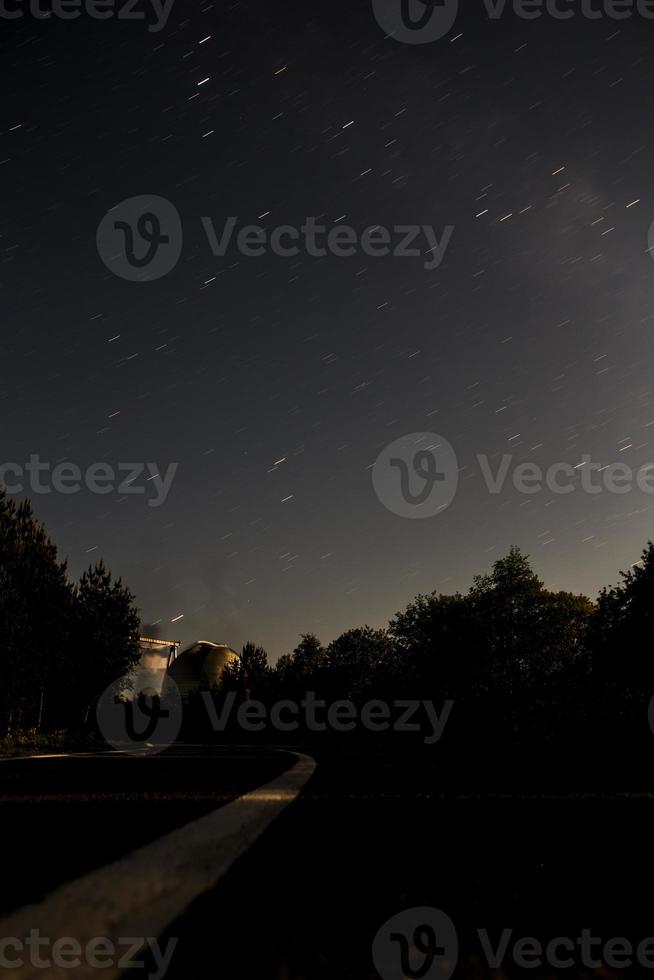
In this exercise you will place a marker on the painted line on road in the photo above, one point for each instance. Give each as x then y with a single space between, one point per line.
143 892
62 755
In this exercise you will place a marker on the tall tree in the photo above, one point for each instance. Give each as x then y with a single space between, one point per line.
299 671
435 635
623 631
528 633
36 615
254 668
361 661
508 634
108 631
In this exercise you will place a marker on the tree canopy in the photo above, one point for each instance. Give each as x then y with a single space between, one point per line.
62 642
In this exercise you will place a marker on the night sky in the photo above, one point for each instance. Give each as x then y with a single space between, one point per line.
275 382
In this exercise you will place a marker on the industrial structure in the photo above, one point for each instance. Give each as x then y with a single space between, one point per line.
201 665
197 667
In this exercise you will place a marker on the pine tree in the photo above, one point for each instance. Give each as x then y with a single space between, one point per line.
107 645
35 615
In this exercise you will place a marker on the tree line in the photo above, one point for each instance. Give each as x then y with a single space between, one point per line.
61 641
527 668
524 665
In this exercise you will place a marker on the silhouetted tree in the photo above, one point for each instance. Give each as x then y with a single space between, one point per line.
437 639
360 661
255 666
36 615
507 635
623 633
107 632
302 669
308 655
522 660
248 674
527 633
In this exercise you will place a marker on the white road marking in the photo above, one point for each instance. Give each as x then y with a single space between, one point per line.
143 892
61 755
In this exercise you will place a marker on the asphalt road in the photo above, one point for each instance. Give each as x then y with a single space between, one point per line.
369 838
64 816
366 839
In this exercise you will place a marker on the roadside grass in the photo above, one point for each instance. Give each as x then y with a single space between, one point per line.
32 742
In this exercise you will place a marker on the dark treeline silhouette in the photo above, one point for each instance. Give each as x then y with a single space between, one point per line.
62 642
529 670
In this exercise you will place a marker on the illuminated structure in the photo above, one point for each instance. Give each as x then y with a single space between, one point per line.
159 648
201 665
156 657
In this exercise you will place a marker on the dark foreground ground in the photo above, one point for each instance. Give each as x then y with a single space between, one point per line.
368 838
62 817
310 906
